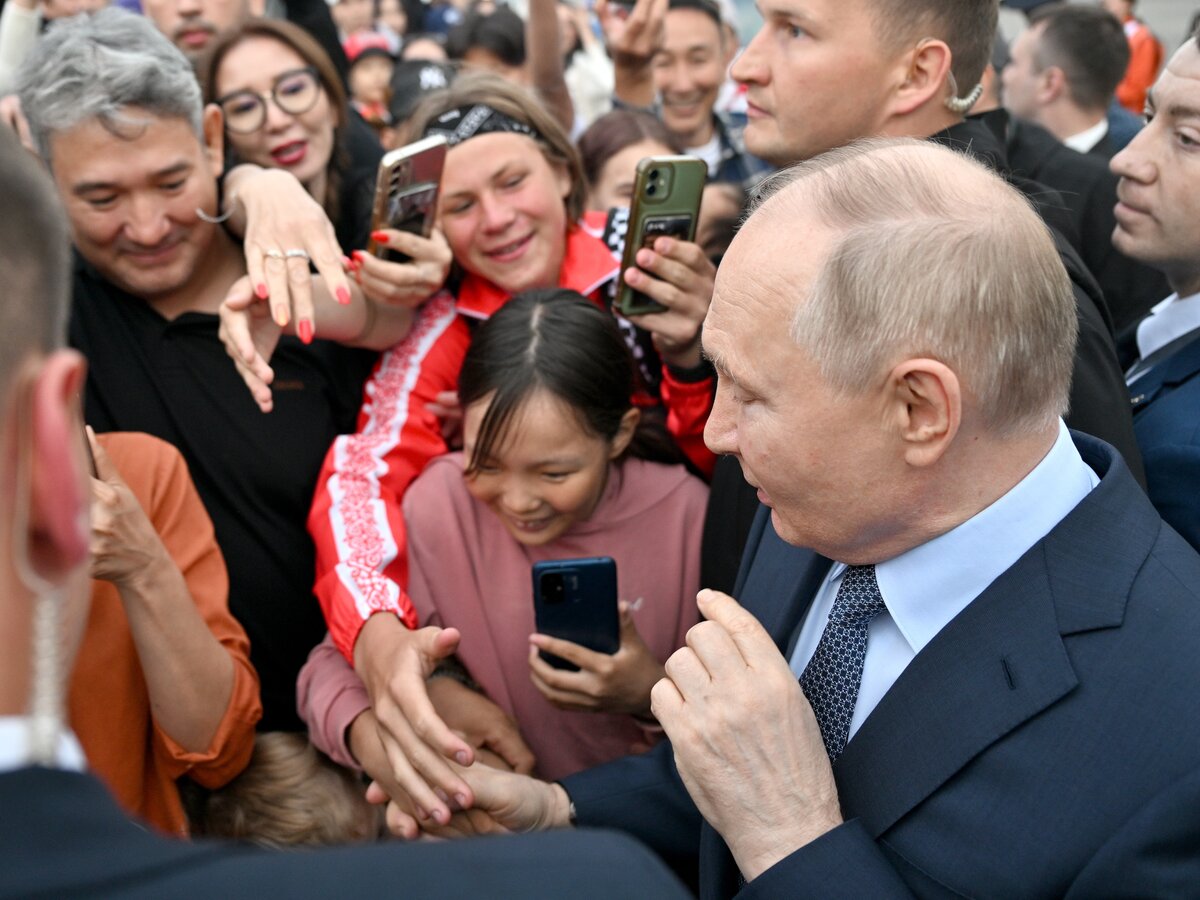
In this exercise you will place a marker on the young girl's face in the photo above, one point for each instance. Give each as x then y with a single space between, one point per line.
547 473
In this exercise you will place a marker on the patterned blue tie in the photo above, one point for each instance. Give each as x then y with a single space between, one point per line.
832 677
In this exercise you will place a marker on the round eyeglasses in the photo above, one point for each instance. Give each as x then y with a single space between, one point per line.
294 92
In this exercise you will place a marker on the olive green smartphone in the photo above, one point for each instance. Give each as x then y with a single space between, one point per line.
666 203
406 192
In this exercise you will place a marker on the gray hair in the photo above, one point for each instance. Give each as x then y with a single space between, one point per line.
94 66
937 257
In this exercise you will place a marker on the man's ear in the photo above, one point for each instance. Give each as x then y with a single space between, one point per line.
926 76
214 138
58 530
927 401
629 424
1052 84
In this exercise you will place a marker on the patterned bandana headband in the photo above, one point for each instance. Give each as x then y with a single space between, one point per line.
458 125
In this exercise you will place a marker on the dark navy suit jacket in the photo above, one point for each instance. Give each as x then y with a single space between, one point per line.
1166 422
61 835
1045 743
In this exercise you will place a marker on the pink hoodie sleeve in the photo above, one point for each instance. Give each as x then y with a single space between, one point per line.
329 697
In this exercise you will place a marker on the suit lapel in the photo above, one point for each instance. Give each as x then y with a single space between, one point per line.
999 663
1169 373
1002 660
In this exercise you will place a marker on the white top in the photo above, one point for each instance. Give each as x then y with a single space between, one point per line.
1088 138
926 587
710 152
1168 321
14 747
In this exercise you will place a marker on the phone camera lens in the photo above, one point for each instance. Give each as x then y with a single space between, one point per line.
651 190
654 174
553 588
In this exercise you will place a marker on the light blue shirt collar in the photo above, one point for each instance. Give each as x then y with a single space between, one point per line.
926 587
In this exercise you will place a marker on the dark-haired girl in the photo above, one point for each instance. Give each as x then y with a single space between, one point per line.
557 464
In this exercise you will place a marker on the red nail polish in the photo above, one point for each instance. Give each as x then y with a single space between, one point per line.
347 262
260 291
358 256
343 295
379 237
304 329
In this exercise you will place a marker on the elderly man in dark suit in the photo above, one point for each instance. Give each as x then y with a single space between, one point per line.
1158 222
61 833
963 661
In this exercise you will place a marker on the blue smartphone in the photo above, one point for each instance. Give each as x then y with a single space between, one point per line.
576 600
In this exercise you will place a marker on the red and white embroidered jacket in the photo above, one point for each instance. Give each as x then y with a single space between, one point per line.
356 521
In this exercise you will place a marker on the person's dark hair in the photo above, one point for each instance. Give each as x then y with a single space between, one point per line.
967 27
35 259
1088 44
501 33
613 132
297 39
555 340
708 7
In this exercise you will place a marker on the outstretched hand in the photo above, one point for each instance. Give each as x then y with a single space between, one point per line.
250 335
394 664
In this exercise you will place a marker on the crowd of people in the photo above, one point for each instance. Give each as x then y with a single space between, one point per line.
899 477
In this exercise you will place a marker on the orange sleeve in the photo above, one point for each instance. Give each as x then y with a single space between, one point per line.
1145 59
183 525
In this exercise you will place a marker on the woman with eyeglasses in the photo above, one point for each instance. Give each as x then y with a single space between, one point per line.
285 108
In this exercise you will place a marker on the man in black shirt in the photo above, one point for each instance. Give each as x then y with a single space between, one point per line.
136 163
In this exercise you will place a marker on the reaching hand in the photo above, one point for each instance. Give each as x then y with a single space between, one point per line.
407 284
285 230
394 664
250 336
620 682
482 723
505 802
679 276
746 742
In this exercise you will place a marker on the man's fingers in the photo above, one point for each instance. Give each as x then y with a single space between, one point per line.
745 630
415 766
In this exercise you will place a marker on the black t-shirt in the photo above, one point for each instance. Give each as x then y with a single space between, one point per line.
255 472
360 167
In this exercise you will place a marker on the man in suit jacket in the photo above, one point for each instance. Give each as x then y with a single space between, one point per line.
1063 72
998 685
61 834
1158 222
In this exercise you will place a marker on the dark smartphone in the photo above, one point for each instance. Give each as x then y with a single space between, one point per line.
406 192
576 600
666 203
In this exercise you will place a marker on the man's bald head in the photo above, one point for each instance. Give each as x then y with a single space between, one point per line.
932 254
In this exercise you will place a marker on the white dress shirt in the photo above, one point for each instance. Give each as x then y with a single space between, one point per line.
926 587
1168 321
1085 140
14 747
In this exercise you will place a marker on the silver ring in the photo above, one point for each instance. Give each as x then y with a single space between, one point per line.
297 254
273 253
